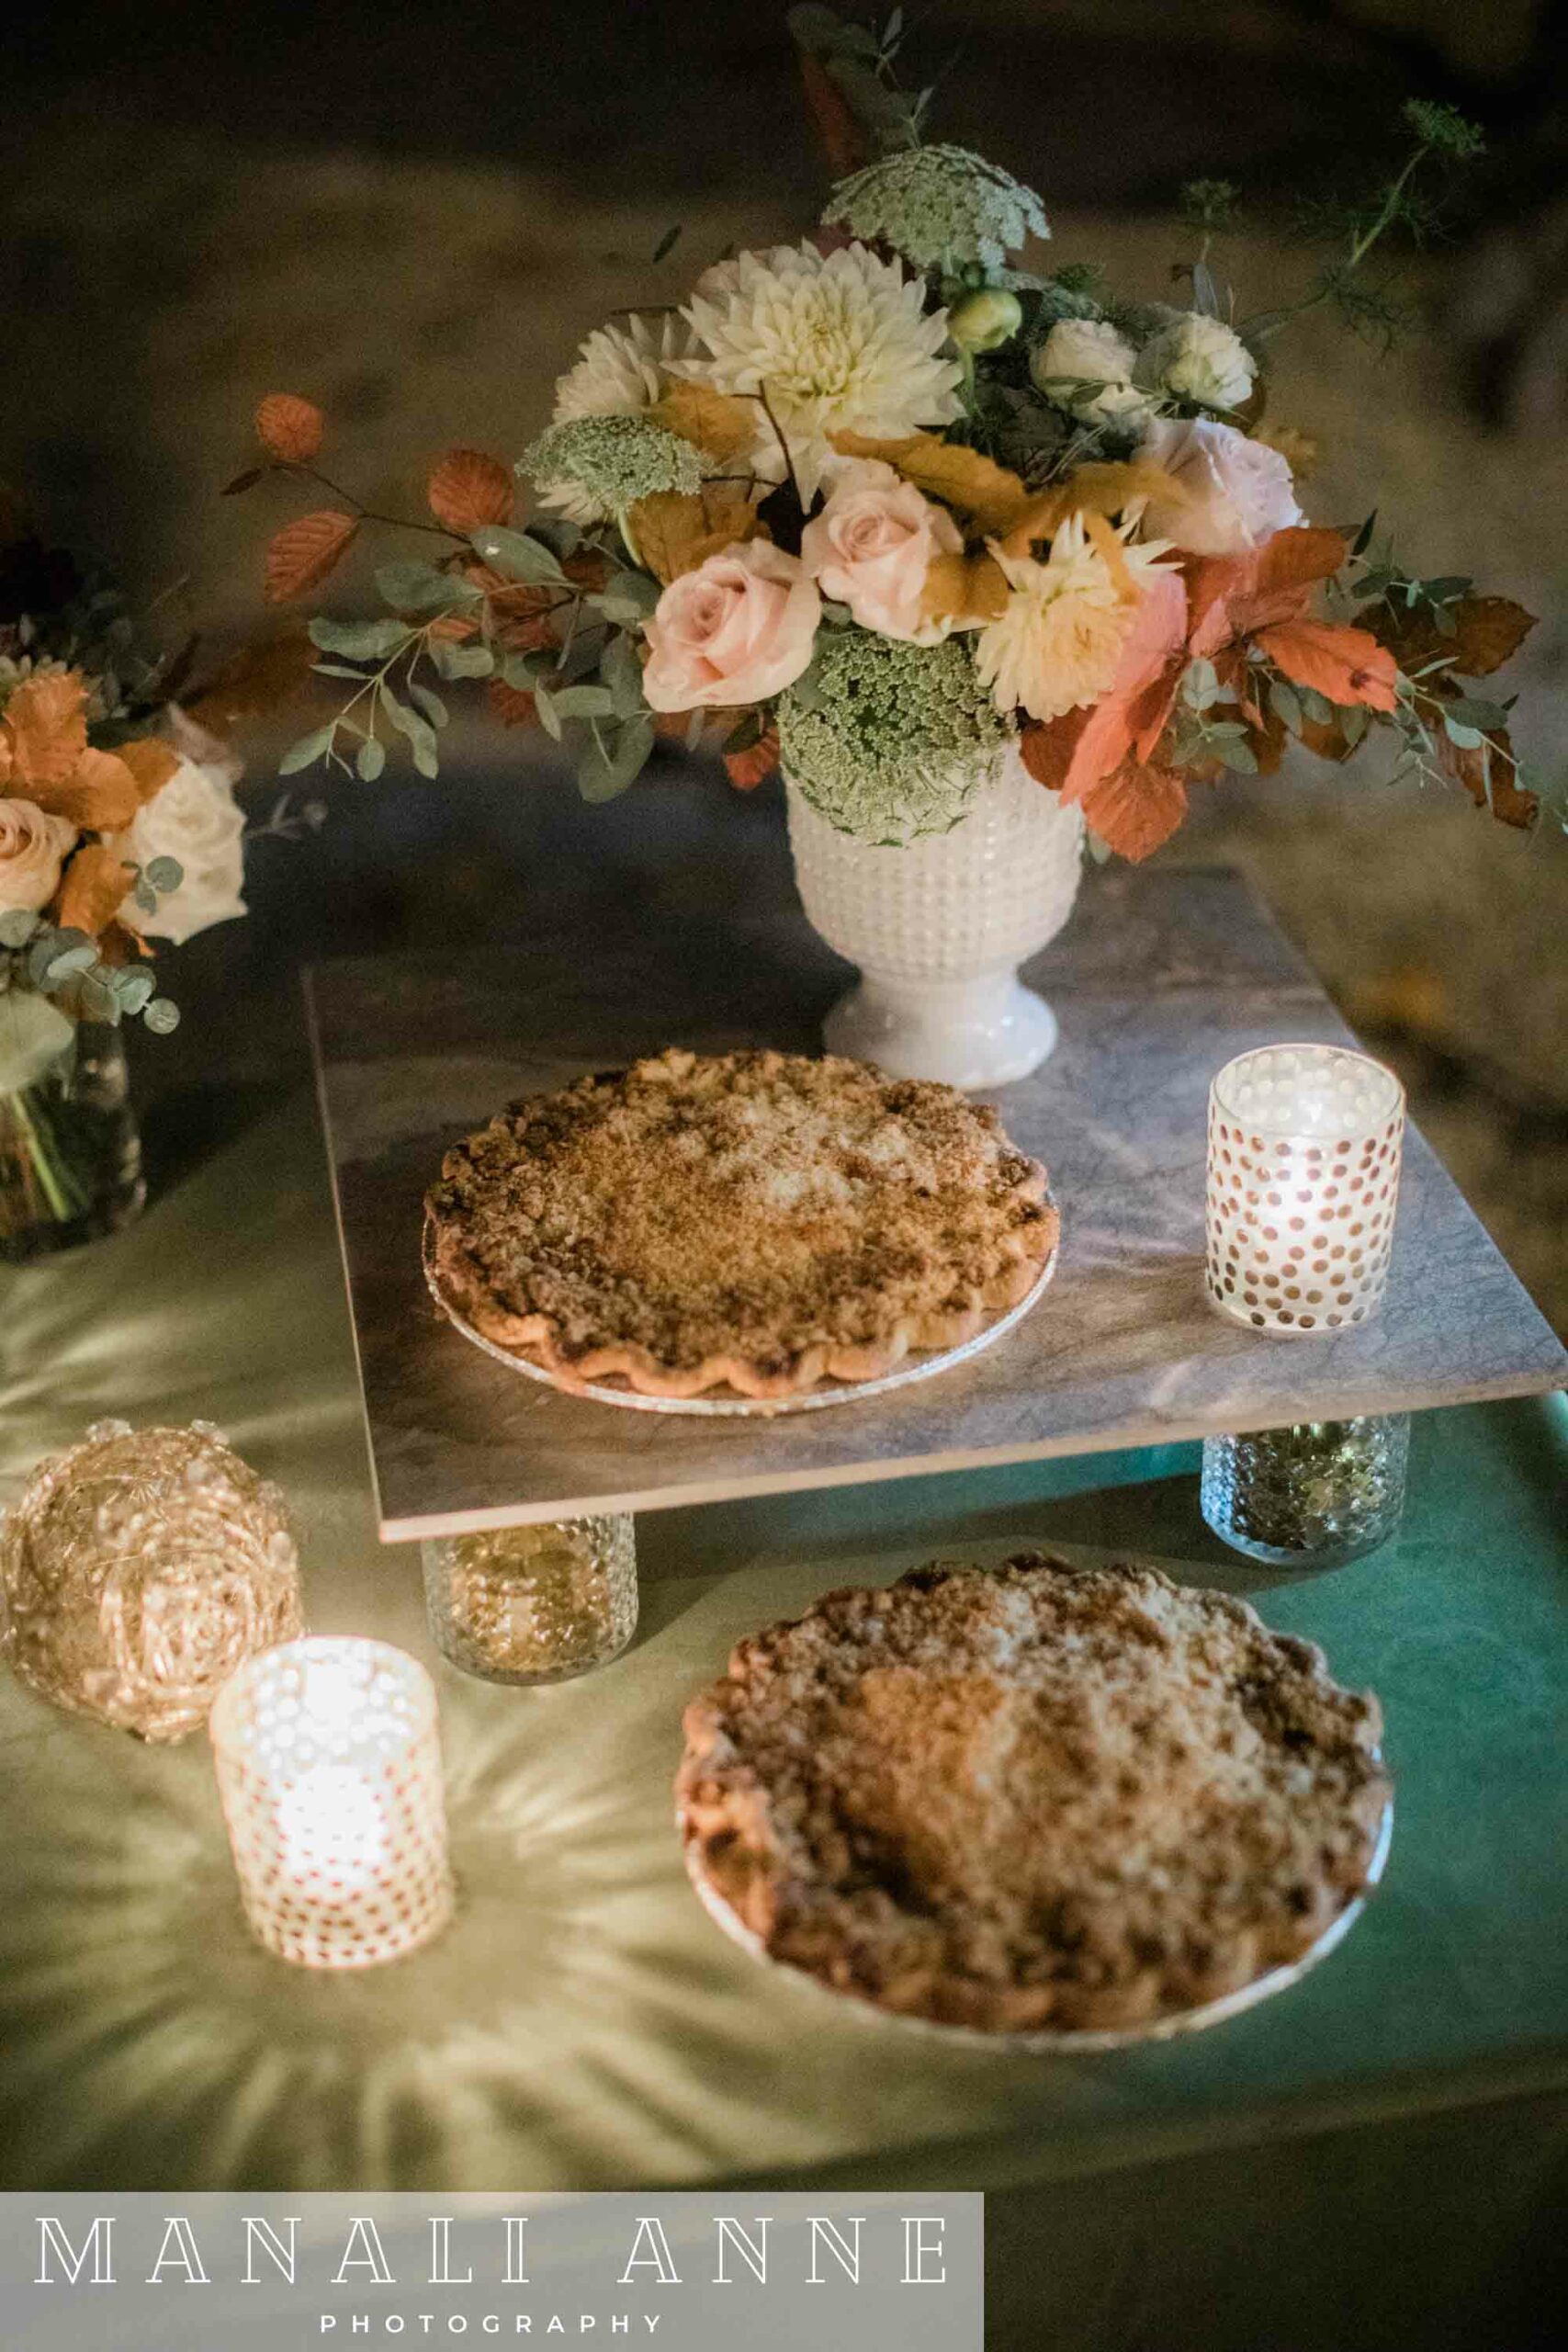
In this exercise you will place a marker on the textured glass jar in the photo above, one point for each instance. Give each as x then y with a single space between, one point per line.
534 1604
70 1152
1318 1493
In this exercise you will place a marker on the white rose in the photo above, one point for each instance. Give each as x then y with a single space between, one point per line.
33 847
1086 365
1233 493
872 545
196 820
1199 358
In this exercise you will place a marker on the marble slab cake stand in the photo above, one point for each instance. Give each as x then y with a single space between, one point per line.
1155 984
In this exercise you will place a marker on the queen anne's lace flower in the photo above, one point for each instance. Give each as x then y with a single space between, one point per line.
620 371
1056 646
838 341
942 206
609 462
1199 358
892 739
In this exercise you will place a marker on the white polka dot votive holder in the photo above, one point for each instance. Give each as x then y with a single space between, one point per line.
1303 1184
329 1766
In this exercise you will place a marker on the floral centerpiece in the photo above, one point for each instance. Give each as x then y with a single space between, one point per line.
118 831
986 557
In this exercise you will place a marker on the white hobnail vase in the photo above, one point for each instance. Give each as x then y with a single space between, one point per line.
939 927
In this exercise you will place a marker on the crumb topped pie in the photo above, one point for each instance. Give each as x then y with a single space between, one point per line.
1041 1796
761 1219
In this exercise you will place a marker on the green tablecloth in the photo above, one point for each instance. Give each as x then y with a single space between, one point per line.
1366 2160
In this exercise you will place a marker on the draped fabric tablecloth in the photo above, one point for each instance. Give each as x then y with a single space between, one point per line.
1374 2159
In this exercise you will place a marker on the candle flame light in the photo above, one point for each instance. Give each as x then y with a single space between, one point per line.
329 1766
1304 1145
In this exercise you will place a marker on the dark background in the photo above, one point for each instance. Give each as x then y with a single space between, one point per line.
414 213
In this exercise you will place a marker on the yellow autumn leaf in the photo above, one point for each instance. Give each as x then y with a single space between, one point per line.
674 531
1098 489
1299 449
151 761
712 421
990 495
965 590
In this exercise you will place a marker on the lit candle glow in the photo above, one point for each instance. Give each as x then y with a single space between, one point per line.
329 1766
1304 1147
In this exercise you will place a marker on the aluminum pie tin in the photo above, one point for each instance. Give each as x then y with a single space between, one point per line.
1039 2040
732 1407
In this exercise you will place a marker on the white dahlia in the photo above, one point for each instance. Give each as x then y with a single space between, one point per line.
838 341
620 370
1058 644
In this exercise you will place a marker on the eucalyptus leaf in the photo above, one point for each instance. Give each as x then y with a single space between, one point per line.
17 925
422 588
519 554
370 759
336 670
1286 705
164 873
1239 757
161 1015
1205 293
133 987
308 748
622 674
526 672
455 661
1355 723
362 640
584 702
72 959
431 704
613 759
1466 739
1317 707
545 705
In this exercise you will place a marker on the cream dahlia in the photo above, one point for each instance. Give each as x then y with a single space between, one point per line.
620 371
1058 644
838 341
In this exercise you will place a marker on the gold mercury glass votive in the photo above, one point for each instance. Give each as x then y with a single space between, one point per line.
329 1766
1304 1145
534 1604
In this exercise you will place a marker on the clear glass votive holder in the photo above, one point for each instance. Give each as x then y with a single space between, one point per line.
1303 1184
1315 1494
534 1604
329 1766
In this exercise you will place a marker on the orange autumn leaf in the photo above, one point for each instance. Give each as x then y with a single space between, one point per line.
1231 596
1488 774
1135 809
466 490
1130 716
1349 666
1047 748
96 883
749 768
46 727
1486 632
300 555
100 794
151 762
513 706
290 427
255 681
844 144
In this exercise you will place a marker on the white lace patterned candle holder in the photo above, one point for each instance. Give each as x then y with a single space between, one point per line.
329 1766
1303 1184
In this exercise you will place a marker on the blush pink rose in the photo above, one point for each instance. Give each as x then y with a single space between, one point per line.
872 545
736 630
33 847
1235 492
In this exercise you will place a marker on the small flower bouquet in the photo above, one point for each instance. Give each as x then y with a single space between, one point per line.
912 520
118 827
